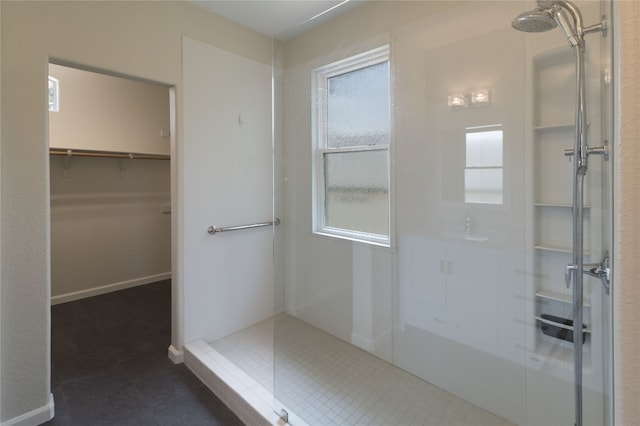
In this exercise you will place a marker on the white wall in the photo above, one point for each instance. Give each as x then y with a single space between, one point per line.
103 112
329 282
110 229
325 277
348 290
139 39
227 125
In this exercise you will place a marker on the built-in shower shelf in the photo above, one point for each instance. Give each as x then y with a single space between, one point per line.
553 249
557 249
544 320
553 312
558 205
554 352
554 127
560 297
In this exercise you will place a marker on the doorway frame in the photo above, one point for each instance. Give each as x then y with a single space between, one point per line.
174 351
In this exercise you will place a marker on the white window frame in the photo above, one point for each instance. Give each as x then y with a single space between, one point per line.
320 77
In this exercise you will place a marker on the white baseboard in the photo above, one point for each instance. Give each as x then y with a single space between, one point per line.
96 291
35 417
176 356
380 345
363 342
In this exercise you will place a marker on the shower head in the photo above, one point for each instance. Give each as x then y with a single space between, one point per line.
550 14
535 21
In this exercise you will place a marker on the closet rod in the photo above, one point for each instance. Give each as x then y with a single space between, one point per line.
107 154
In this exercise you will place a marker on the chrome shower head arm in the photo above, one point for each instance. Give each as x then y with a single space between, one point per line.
575 14
568 25
596 28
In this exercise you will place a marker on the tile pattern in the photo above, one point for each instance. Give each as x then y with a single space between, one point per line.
110 367
325 381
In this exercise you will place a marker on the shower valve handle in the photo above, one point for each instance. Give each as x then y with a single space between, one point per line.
600 270
567 273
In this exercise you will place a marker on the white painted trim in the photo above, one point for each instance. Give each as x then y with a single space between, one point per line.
176 355
177 230
96 291
374 345
296 310
319 117
34 417
252 403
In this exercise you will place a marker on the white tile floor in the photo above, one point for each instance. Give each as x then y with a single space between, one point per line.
325 381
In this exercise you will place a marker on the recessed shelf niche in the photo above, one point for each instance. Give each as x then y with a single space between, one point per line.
553 133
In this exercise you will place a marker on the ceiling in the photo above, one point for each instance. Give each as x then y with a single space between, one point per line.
281 19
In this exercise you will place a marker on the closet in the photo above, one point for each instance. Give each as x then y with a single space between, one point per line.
109 141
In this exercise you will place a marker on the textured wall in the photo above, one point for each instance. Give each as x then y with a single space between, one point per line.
627 199
140 39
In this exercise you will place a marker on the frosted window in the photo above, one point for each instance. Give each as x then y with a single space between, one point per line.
358 107
352 129
483 177
357 191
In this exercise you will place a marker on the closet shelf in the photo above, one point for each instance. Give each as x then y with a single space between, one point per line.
107 154
560 126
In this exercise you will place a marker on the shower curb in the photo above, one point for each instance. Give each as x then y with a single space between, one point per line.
243 395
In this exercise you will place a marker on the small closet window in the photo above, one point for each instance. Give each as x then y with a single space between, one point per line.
54 87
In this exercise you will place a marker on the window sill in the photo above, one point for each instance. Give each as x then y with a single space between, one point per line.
382 243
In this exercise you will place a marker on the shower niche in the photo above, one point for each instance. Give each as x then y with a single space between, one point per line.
554 92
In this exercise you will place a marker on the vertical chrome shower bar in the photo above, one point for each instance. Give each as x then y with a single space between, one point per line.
580 170
580 166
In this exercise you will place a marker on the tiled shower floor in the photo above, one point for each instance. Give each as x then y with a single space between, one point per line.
326 381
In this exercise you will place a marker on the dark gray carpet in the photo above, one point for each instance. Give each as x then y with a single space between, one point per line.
110 367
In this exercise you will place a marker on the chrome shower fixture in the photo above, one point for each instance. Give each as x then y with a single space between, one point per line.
570 29
550 14
564 14
534 21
